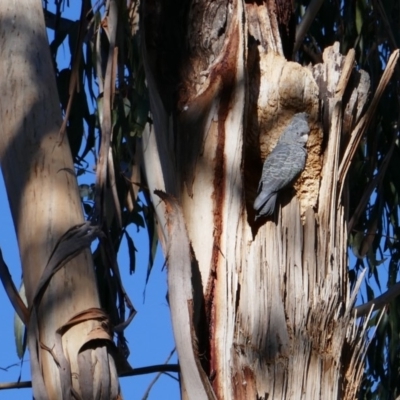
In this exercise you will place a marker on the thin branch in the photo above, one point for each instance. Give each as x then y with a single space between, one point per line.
7 368
379 302
54 22
152 383
15 385
137 371
151 370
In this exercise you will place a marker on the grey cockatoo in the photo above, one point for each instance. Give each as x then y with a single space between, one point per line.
286 161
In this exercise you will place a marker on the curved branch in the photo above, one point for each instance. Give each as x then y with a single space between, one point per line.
306 22
379 302
12 292
136 371
151 369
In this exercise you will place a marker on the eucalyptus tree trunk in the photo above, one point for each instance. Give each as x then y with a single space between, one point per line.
67 334
259 309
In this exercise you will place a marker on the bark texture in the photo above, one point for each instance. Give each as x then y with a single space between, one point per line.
276 320
44 200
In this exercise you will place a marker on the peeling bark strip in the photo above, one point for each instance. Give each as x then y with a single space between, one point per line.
68 246
104 166
364 122
181 299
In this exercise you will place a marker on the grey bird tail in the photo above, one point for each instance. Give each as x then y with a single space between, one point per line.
264 204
